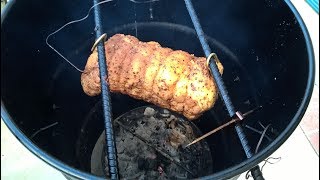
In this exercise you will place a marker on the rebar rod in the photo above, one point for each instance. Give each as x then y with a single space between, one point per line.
255 171
106 100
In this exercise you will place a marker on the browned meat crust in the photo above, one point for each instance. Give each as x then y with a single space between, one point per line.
175 80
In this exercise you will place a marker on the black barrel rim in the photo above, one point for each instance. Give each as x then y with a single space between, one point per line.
225 174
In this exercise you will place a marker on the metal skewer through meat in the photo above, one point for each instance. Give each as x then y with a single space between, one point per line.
171 79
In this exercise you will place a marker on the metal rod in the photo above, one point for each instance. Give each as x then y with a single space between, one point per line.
222 89
216 75
207 51
42 129
213 131
243 140
257 131
106 100
218 128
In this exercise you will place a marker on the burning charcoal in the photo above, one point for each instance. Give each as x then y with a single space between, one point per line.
125 158
164 113
157 143
172 125
118 138
171 119
152 163
145 133
143 164
184 176
120 149
176 138
161 125
151 156
160 170
142 177
153 174
143 122
149 111
172 151
189 130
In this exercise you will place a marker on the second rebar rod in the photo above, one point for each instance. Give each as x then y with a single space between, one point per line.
255 171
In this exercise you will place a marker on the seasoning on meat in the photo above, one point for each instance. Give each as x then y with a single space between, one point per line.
171 79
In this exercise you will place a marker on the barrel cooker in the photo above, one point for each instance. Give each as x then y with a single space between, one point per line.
264 47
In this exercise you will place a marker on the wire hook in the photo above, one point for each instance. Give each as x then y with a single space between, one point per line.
102 37
69 23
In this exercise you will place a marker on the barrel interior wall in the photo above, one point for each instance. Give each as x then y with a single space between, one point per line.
259 43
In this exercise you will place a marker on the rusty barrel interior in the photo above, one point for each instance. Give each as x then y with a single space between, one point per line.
263 45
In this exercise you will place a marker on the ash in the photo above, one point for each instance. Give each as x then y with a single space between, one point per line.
163 131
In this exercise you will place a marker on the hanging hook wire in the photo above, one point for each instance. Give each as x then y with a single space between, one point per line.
247 176
261 138
69 23
263 134
101 38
